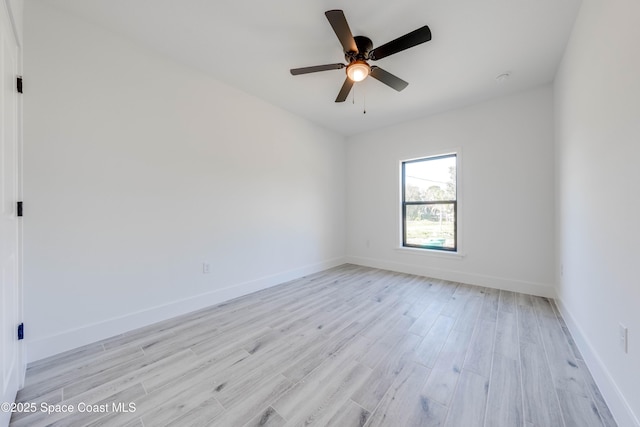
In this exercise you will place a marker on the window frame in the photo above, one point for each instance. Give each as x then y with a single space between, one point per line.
456 211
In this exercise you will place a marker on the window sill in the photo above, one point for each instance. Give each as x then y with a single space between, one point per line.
432 252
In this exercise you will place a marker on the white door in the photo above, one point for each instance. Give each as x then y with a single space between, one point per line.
11 363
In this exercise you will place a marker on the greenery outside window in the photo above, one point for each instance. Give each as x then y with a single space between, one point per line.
429 203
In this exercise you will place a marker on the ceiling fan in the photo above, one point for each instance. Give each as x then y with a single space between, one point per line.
359 49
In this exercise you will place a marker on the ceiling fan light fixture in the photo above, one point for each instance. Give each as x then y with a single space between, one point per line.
357 71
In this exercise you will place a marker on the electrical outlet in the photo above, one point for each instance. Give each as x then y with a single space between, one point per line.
623 337
206 268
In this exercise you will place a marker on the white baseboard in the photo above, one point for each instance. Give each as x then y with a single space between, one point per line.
616 402
87 334
514 285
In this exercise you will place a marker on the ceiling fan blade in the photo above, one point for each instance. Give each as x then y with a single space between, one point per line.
341 28
411 39
344 91
316 68
387 78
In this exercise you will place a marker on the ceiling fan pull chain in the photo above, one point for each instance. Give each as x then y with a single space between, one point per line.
364 101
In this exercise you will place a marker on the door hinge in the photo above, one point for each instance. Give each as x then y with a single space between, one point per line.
19 84
19 209
21 331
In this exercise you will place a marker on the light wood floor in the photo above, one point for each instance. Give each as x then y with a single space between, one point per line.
351 346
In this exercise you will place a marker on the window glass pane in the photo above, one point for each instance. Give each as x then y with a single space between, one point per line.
430 180
431 225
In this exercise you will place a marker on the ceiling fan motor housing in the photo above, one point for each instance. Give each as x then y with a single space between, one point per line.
364 46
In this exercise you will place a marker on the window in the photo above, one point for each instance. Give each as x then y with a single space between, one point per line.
429 203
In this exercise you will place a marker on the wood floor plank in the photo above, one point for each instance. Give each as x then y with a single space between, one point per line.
469 402
543 307
230 340
540 399
374 351
598 400
345 315
199 416
384 374
568 337
172 395
446 290
564 367
51 398
507 302
267 418
467 319
490 302
60 361
349 346
415 310
350 414
578 410
406 405
110 405
306 313
528 325
254 390
381 325
398 330
317 352
524 300
104 361
103 394
60 372
507 335
480 352
322 393
429 349
265 361
504 404
442 381
137 368
425 321
138 339
455 305
243 403
173 403
159 378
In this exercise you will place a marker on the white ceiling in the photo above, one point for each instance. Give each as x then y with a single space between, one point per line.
252 45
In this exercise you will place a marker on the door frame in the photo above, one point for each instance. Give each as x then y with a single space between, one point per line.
12 12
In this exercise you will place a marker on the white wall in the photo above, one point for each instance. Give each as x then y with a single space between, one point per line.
138 170
507 197
16 9
597 93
